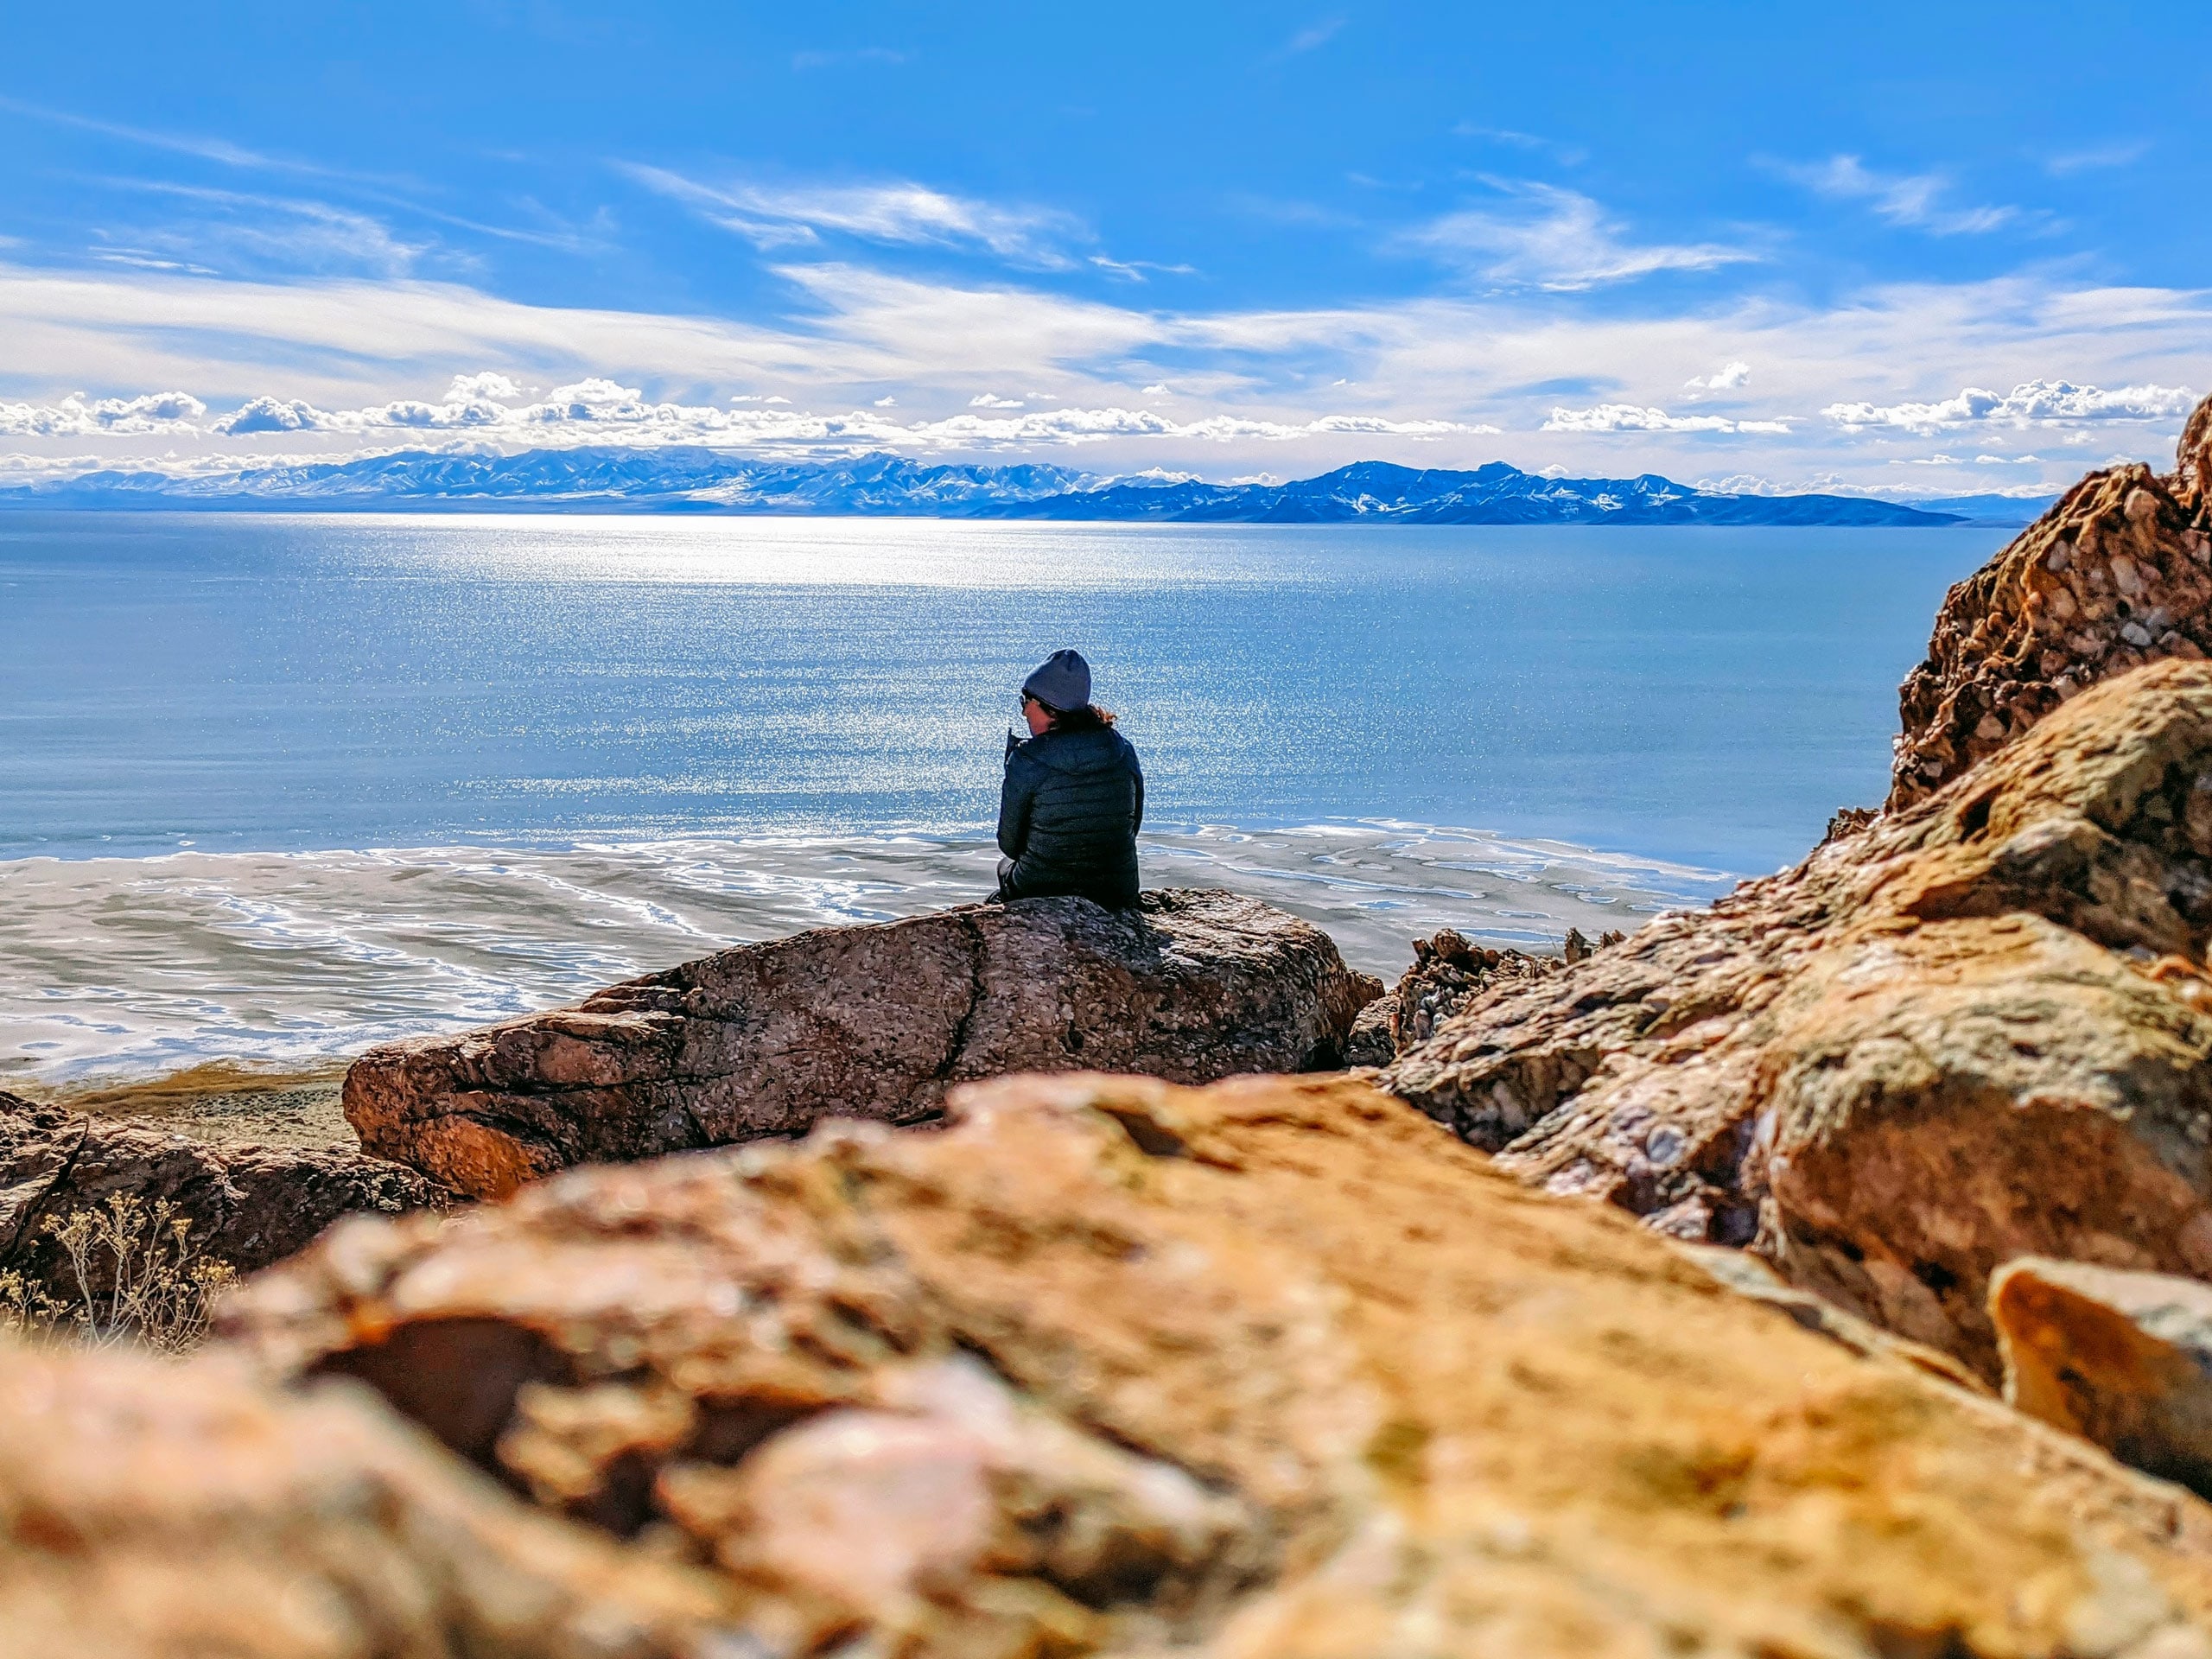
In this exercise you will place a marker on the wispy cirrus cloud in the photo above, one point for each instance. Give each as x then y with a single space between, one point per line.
2035 403
897 211
1560 240
1566 154
289 233
2095 157
204 149
1313 34
1920 201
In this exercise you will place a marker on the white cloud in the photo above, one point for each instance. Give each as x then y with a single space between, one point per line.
1312 34
988 400
897 211
486 384
228 225
1759 484
598 411
1917 200
2097 156
1726 378
1632 417
2034 403
1558 240
1134 269
1476 363
75 416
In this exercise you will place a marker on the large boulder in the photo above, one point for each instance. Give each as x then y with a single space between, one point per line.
874 1022
1976 1029
245 1206
2118 574
1274 1368
151 1507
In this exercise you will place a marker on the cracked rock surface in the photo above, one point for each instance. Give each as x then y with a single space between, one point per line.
1271 1368
2117 574
872 1022
1979 1027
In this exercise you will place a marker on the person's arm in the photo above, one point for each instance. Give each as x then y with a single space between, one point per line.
1136 782
1016 795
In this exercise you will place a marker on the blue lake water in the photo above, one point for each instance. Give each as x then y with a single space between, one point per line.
239 754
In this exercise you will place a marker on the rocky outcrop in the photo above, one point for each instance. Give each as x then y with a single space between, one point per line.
154 1508
1447 974
1270 1369
874 1022
2124 1359
2119 574
1977 1029
247 1206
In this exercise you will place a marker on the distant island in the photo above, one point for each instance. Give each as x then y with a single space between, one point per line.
698 480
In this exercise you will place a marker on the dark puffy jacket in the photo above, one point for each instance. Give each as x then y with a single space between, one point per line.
1069 813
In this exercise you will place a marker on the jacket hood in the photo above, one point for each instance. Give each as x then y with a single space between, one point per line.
1092 751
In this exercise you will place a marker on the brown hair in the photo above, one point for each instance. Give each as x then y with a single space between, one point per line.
1091 718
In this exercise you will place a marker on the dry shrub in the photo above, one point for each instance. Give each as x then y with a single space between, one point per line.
155 1288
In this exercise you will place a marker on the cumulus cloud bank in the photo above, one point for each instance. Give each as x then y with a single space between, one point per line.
1633 417
2033 403
74 416
598 411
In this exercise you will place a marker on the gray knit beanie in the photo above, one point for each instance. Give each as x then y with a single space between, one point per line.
1061 682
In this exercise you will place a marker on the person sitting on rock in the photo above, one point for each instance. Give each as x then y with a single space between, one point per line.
1073 798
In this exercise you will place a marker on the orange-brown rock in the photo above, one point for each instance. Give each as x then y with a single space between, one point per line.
1449 972
865 1022
2124 1359
1977 1029
1274 1368
152 1508
246 1206
2117 574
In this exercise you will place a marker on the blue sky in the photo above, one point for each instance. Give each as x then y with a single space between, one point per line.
1906 248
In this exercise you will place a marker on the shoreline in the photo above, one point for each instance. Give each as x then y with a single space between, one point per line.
223 1104
196 974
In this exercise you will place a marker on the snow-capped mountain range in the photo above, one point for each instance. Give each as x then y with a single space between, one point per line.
705 481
